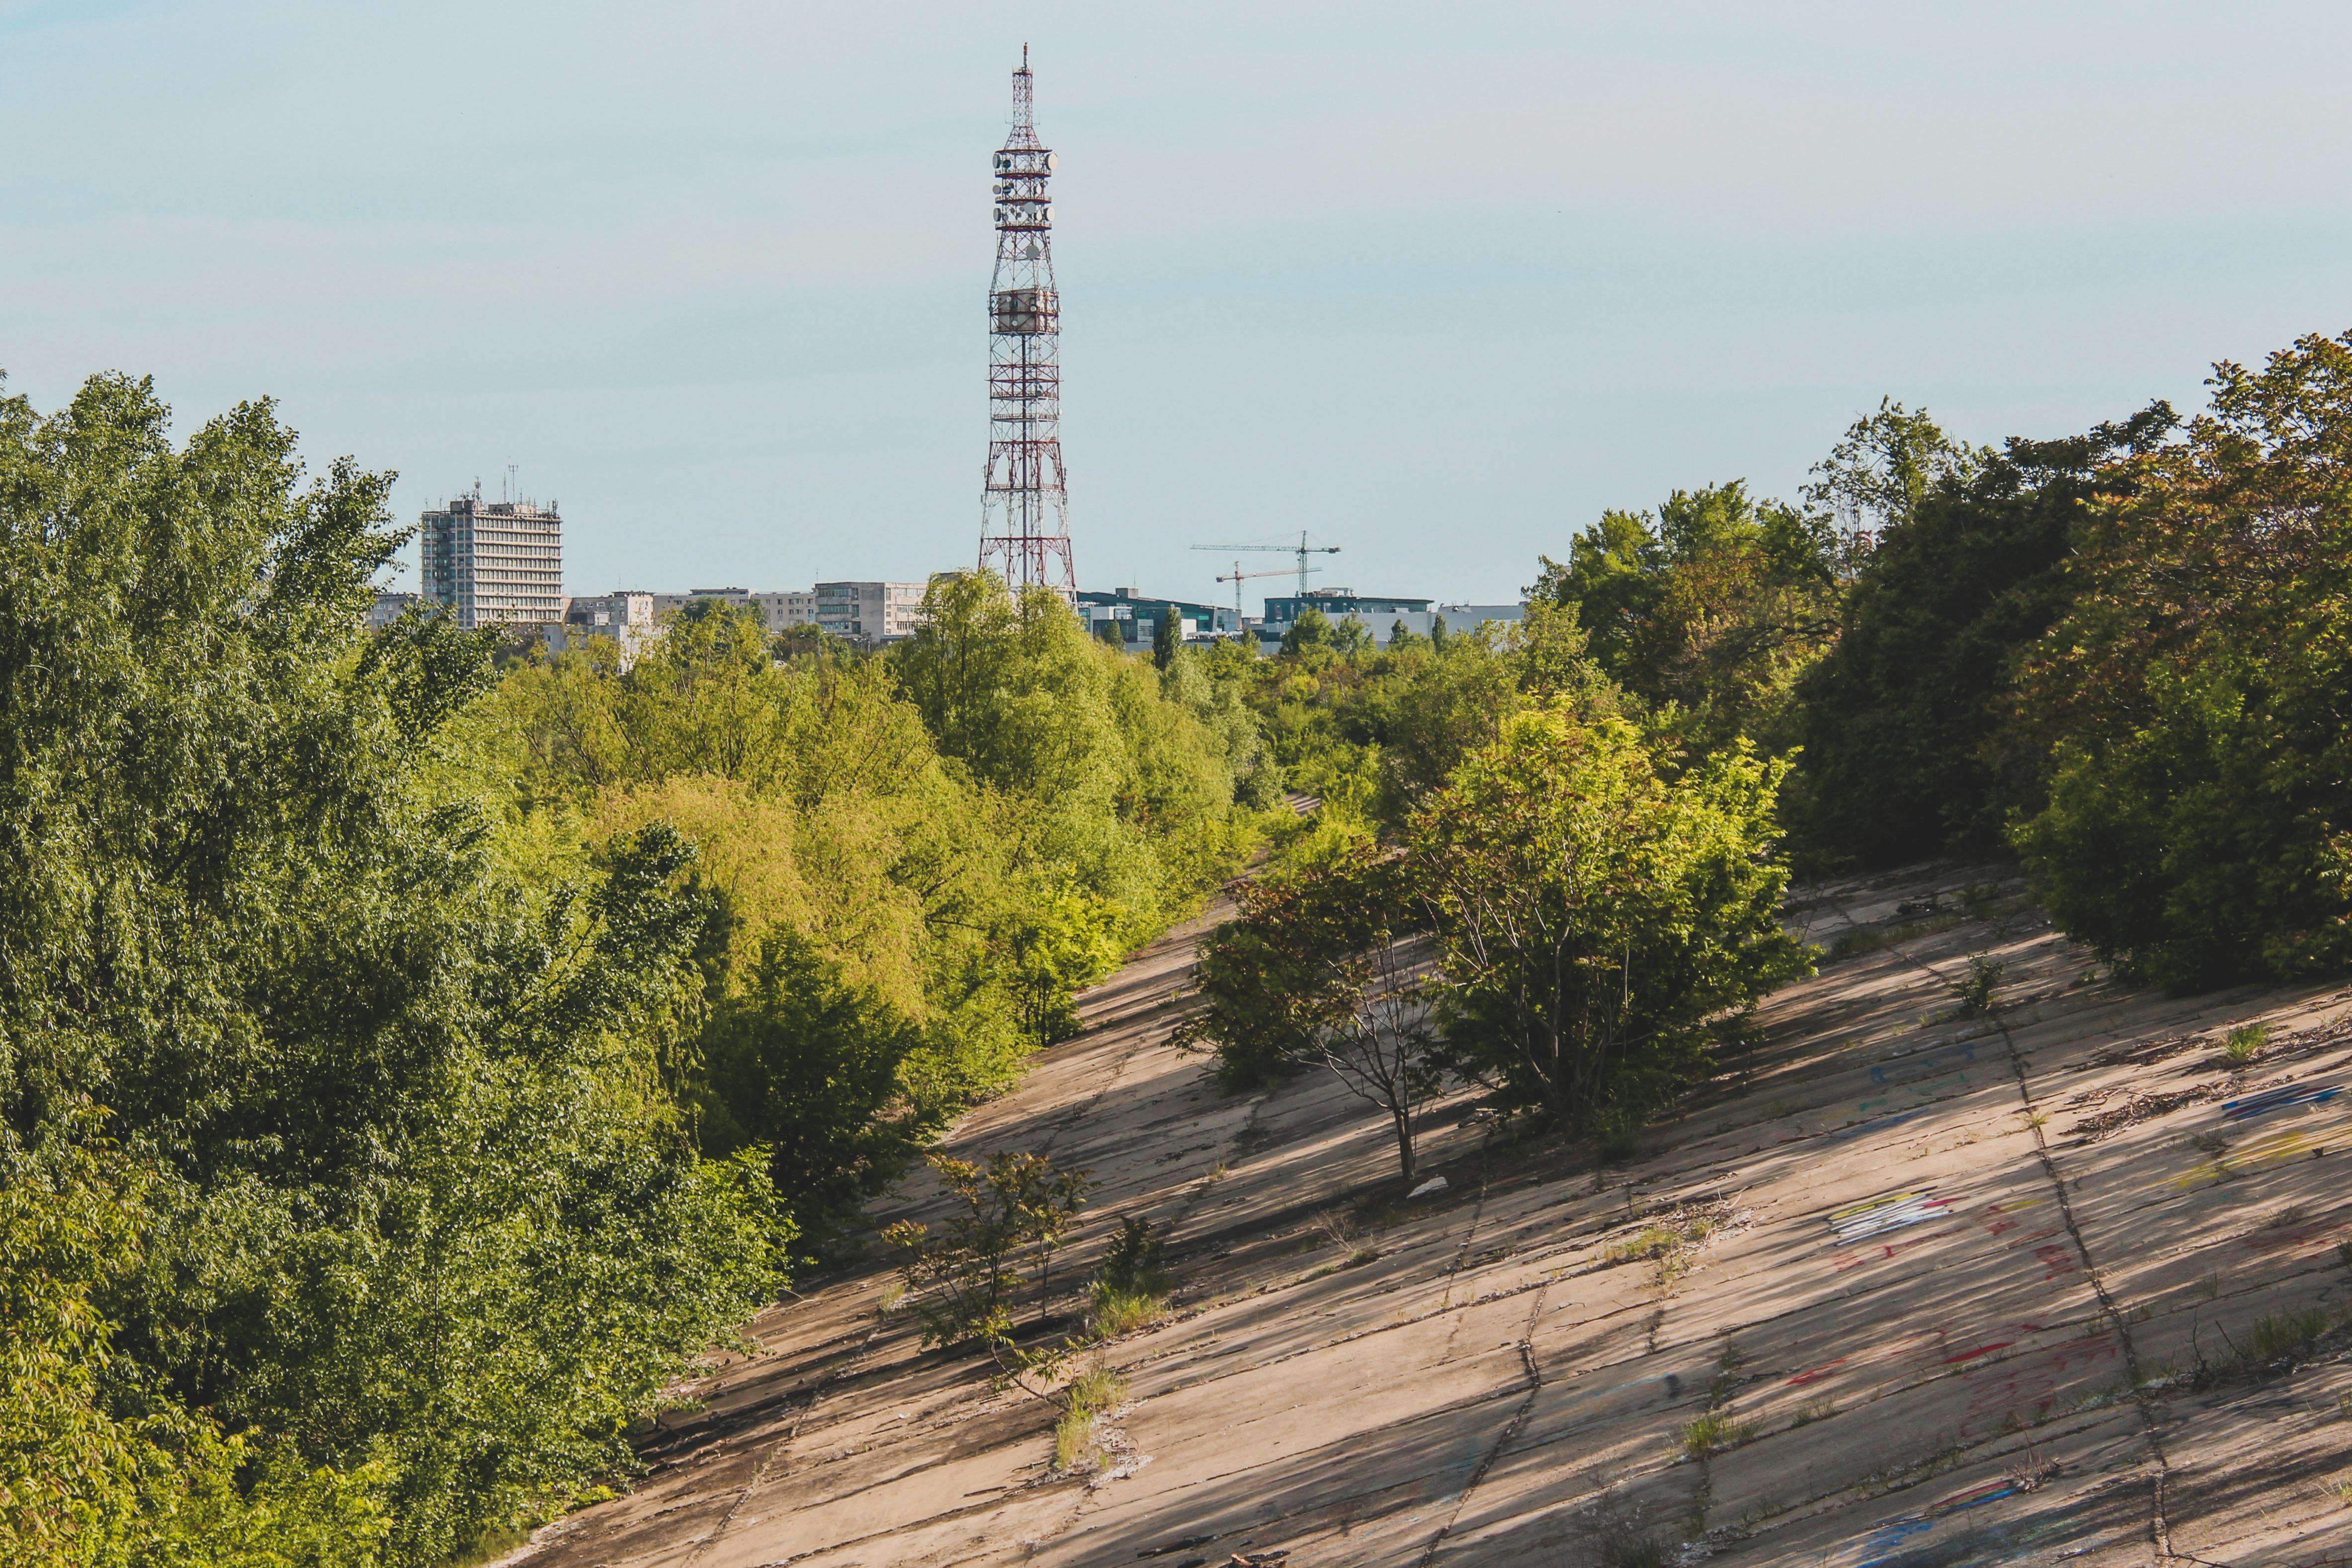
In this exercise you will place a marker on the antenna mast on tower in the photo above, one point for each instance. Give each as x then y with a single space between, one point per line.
1024 528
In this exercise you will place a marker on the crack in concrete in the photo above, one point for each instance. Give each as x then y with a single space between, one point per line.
2146 1402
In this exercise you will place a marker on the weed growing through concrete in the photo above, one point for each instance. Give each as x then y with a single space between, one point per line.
1715 1432
2210 1286
2245 1043
1667 1243
1977 991
2027 1472
2293 1214
2344 1252
1820 1407
2277 1335
1078 1435
1726 1378
1115 1311
1615 1534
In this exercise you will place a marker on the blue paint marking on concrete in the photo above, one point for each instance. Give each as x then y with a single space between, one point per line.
1859 1128
1903 1069
2287 1097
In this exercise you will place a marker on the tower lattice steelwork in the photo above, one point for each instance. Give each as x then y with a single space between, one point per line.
1024 529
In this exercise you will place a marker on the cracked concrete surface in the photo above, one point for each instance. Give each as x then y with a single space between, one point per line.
2031 1288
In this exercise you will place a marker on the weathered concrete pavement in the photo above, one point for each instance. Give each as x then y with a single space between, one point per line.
1979 1291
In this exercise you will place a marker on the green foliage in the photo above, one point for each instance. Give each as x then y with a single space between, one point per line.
964 1281
1166 638
1279 976
84 1484
417 1211
2245 1043
816 1069
2191 699
1907 746
1311 631
1133 1265
1976 993
1707 612
1593 913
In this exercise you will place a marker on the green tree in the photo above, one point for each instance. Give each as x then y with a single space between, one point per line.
1592 914
1275 979
2198 824
814 1069
1166 638
1012 1213
421 1200
1310 631
1707 612
1880 471
1908 751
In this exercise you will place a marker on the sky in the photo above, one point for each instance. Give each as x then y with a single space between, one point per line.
1437 283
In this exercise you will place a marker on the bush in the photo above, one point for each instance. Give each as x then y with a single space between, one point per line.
1593 913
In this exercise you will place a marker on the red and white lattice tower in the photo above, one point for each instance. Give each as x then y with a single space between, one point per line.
1024 527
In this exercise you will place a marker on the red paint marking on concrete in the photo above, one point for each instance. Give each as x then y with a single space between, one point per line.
1815 1376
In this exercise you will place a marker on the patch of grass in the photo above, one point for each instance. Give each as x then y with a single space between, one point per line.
1667 1245
1115 1311
1077 1435
1820 1407
2293 1214
2277 1335
1074 1443
2209 1286
2245 1043
2344 1252
1615 1534
1096 1388
1854 941
1715 1432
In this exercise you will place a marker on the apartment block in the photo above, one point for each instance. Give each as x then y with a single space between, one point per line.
776 611
495 563
869 611
388 607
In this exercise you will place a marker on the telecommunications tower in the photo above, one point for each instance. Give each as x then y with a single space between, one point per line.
1024 519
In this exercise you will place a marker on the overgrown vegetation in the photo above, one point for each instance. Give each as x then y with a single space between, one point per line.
410 1061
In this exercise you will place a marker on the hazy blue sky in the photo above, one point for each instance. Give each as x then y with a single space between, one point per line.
1437 282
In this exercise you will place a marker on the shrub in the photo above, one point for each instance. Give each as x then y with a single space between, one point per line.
1595 911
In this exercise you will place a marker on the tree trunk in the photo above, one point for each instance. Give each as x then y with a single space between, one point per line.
1403 1121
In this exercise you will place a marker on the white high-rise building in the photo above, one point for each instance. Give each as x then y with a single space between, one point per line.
495 563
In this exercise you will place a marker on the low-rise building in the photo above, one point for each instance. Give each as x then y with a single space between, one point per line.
1382 615
1137 616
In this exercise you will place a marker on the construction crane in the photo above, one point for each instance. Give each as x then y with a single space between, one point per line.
1302 550
1237 577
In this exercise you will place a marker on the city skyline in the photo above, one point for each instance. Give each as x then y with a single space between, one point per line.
1486 277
